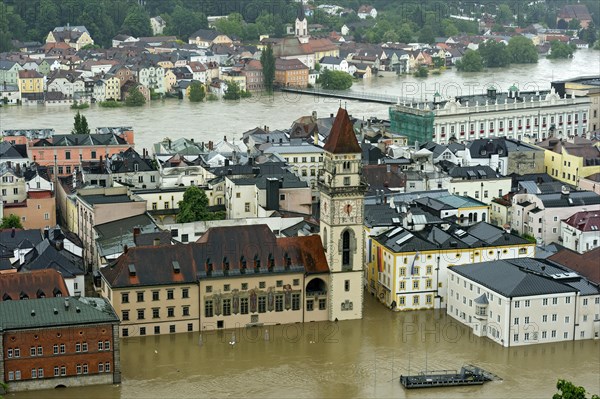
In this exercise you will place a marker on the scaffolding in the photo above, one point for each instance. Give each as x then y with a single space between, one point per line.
414 123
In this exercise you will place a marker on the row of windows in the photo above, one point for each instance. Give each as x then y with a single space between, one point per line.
416 284
304 159
415 300
56 349
245 306
141 313
59 371
185 293
519 124
172 329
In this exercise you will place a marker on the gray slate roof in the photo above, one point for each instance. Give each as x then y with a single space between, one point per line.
36 313
509 280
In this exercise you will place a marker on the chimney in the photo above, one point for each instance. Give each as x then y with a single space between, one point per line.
225 139
156 242
125 248
66 303
564 191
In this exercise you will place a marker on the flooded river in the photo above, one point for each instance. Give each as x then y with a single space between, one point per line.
352 359
362 358
213 120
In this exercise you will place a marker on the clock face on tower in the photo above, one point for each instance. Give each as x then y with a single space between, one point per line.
348 209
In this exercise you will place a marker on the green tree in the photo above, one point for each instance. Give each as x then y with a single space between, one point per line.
267 59
390 36
422 72
197 92
574 24
449 28
426 35
335 80
135 98
567 390
505 14
522 50
194 206
405 33
494 54
233 91
470 62
184 22
80 125
137 23
11 222
560 50
232 25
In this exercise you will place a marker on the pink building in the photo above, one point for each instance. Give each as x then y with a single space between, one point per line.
66 151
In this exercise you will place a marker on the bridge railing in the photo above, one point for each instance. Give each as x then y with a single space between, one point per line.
350 95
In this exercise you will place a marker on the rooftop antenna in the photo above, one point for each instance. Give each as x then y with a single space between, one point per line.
345 105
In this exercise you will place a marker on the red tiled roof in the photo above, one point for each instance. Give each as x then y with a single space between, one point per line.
342 139
586 264
585 221
29 74
32 284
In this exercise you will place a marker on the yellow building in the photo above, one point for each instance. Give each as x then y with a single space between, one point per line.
569 161
31 82
407 269
231 277
170 80
75 36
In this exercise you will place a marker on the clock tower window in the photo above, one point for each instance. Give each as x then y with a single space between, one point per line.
346 248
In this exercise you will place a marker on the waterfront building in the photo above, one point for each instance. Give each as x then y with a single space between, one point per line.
408 262
57 342
342 191
514 114
232 277
291 73
539 215
581 231
31 85
524 301
586 86
62 153
9 72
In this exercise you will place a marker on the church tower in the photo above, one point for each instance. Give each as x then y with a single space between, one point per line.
341 220
301 29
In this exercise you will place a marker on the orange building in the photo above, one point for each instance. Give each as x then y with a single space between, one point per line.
65 151
38 211
291 73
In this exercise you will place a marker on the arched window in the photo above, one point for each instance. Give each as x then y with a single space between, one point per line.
346 248
483 217
475 217
470 217
325 239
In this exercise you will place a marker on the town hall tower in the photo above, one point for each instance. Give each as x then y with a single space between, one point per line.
341 220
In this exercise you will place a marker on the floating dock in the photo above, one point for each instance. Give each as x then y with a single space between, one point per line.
468 375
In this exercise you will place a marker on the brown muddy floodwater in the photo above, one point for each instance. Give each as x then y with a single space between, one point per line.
354 359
